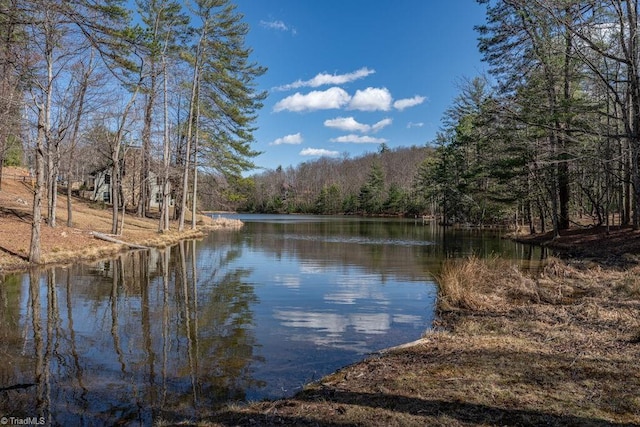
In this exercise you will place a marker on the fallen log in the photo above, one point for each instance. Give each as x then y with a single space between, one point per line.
114 240
16 254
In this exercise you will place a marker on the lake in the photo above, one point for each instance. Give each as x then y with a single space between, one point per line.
240 315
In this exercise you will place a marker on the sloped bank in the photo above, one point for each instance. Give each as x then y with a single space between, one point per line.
614 245
561 348
68 245
64 245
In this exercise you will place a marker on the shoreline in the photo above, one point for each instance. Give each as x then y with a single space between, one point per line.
64 245
614 245
556 348
101 249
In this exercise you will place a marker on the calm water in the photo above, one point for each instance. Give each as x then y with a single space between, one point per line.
240 315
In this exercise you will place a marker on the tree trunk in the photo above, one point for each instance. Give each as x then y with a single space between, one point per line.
49 46
69 208
115 172
190 122
34 247
194 196
563 194
166 196
1 161
143 202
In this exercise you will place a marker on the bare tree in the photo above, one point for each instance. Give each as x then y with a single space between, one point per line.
11 44
34 247
77 110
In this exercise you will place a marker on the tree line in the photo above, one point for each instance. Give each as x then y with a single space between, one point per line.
379 183
550 137
81 82
561 125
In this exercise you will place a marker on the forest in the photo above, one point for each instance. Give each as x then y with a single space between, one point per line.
85 82
548 138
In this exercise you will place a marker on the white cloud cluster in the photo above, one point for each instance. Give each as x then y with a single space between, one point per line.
325 79
350 124
278 26
401 104
369 99
331 98
358 139
319 152
289 139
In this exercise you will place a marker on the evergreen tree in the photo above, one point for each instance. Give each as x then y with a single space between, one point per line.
527 43
396 202
224 99
371 196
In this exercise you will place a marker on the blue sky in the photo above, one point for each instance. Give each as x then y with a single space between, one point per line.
345 76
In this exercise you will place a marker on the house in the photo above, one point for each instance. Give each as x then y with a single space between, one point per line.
100 182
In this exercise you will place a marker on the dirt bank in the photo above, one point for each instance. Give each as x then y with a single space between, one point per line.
615 245
64 245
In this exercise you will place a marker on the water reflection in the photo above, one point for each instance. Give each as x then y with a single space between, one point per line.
130 339
173 333
404 247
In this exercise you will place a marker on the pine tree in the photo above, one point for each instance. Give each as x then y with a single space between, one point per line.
371 196
224 99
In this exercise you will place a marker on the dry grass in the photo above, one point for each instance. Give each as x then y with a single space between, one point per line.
481 284
476 284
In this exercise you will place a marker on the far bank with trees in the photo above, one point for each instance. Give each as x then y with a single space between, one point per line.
549 139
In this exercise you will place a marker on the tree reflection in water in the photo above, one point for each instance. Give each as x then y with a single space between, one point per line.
95 359
171 334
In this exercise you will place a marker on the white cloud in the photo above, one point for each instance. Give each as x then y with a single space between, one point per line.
275 25
289 139
414 125
334 97
318 152
371 99
350 124
322 79
401 104
381 125
278 26
357 139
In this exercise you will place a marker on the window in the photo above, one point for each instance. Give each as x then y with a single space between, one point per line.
106 196
107 179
